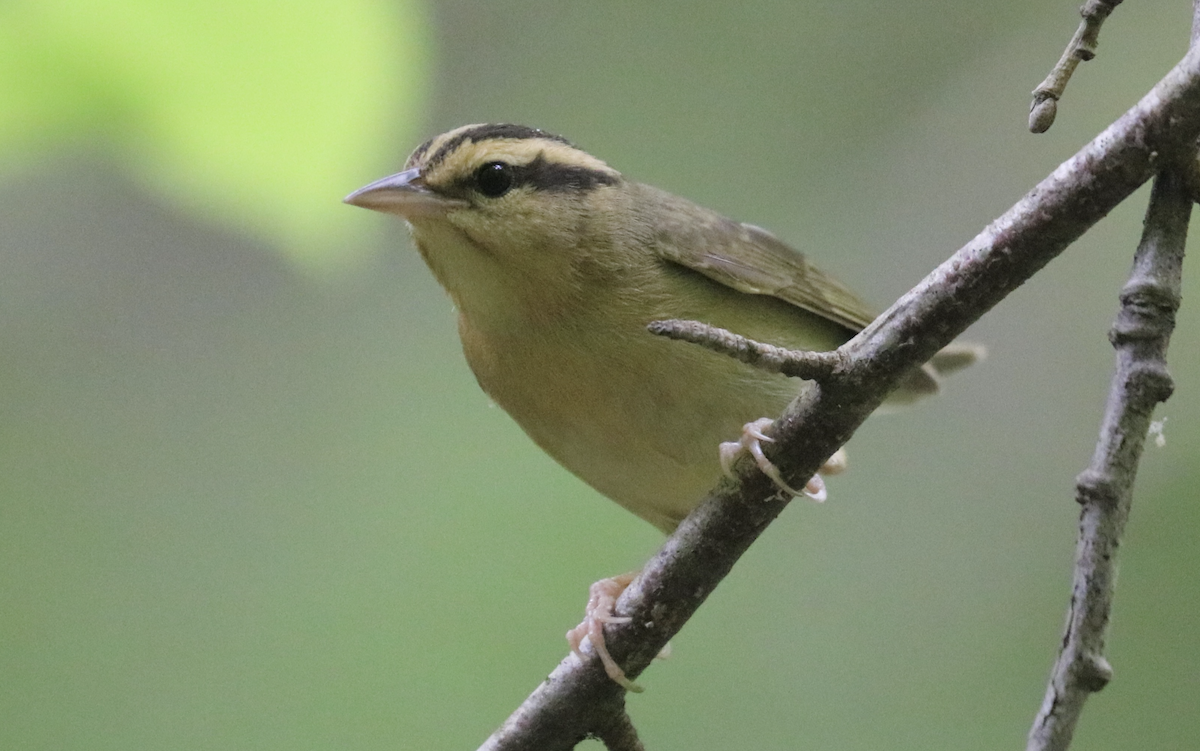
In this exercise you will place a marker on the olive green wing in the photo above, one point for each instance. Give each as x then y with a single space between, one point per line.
752 260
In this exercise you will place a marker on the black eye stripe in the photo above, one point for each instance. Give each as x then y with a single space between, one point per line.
543 174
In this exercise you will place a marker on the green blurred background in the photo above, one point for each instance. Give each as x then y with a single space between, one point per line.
251 498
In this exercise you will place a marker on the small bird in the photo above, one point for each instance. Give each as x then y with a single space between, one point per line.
556 263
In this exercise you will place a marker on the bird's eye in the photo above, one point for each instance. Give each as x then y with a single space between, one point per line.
494 179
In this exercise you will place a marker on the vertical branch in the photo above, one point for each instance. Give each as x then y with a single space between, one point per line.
1140 335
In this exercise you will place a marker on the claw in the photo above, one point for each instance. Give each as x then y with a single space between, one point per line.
602 599
815 489
752 439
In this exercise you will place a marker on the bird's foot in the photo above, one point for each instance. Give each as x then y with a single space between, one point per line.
752 438
602 599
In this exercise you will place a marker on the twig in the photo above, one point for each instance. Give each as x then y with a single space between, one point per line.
815 366
620 735
576 698
1105 489
1081 48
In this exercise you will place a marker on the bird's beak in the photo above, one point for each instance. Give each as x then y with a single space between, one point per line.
403 193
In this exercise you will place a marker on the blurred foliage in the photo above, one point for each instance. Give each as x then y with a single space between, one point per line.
251 113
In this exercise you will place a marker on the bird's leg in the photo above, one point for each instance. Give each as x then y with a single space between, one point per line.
602 599
752 438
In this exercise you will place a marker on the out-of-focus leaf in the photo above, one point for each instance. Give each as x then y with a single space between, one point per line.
252 113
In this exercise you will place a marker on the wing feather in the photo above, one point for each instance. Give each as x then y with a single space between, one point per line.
751 260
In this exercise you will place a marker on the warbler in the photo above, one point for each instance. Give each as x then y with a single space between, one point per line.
556 263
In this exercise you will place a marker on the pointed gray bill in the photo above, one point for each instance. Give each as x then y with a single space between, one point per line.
403 193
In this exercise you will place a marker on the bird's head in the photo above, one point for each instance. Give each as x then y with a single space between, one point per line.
504 200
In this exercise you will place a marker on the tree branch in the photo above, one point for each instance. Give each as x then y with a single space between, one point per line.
1140 335
1081 48
813 366
577 699
620 735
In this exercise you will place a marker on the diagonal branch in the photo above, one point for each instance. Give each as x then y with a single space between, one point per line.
577 699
